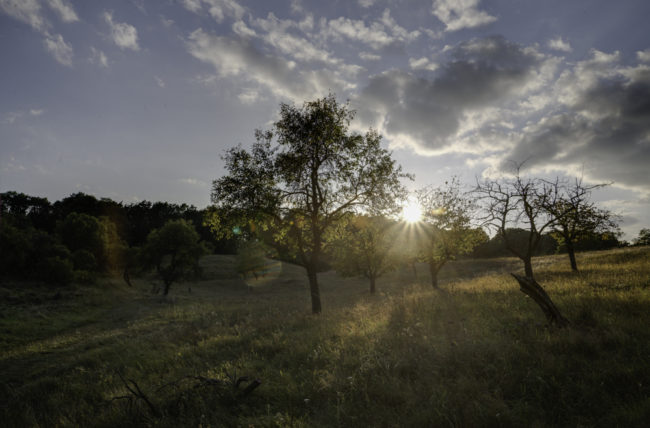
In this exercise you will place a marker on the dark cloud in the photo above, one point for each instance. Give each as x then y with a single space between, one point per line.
429 112
604 126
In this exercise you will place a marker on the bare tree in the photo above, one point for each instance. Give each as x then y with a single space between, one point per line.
576 216
520 202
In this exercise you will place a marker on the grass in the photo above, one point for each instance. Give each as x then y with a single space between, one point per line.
476 354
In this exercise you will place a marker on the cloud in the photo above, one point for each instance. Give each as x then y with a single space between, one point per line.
366 3
64 9
27 11
59 48
30 12
601 122
218 9
241 29
98 57
277 35
559 45
643 56
422 64
240 59
445 113
124 35
159 81
13 116
460 14
367 56
379 34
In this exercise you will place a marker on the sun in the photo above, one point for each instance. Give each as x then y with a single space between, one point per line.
411 212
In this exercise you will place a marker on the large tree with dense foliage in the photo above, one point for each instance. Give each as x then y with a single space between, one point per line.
303 176
445 231
174 251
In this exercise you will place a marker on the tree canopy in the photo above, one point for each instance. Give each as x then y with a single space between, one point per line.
303 176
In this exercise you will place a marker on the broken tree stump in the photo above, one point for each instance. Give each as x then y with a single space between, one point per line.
531 288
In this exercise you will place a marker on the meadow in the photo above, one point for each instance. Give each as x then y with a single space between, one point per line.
475 353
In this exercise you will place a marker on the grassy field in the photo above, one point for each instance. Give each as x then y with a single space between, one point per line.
476 354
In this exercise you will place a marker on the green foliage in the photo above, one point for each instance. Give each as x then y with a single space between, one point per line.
314 175
364 245
81 232
33 254
55 270
84 260
174 251
251 258
447 231
643 238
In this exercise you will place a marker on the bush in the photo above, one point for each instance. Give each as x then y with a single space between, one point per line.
84 260
55 270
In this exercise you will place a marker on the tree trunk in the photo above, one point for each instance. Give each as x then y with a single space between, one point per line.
531 288
528 266
572 255
126 276
167 285
434 268
372 285
313 288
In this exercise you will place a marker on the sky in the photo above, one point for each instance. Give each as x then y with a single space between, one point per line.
139 99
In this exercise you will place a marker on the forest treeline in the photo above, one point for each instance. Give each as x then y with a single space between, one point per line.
81 236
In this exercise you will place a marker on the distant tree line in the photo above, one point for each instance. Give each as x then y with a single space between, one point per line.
81 236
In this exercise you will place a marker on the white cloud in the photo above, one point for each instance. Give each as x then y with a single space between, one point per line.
278 36
36 111
98 57
643 56
367 56
64 9
218 9
240 59
59 48
193 182
192 5
249 96
559 45
27 11
422 64
124 35
366 3
459 14
159 81
241 29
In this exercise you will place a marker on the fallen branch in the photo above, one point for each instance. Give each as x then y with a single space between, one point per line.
135 390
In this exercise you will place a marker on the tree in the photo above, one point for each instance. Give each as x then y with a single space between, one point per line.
174 251
447 231
251 258
364 245
576 216
516 202
312 177
644 237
